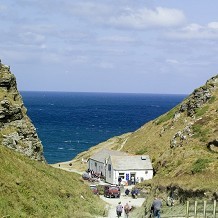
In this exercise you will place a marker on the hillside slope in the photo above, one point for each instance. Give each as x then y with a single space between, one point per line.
33 189
183 143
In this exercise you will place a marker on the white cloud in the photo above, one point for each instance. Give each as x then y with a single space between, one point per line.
88 9
116 38
3 8
213 25
172 61
30 37
196 31
105 65
144 18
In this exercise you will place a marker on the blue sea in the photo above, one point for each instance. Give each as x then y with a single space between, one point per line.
69 123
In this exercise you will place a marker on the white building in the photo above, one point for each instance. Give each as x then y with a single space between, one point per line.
131 169
98 161
114 164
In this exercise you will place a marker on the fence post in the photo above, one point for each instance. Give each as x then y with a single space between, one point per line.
196 203
214 209
187 209
205 204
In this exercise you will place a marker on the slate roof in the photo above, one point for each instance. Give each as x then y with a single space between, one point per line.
135 162
105 153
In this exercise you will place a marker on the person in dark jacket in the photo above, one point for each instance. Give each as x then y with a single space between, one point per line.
127 191
156 205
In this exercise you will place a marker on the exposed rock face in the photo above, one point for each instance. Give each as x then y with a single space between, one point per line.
16 130
195 101
199 97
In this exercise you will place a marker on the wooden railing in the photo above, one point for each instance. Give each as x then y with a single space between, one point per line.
196 209
201 209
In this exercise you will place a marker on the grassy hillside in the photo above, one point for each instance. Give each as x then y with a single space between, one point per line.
33 189
183 143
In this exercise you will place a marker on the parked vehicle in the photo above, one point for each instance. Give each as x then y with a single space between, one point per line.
94 189
112 191
86 176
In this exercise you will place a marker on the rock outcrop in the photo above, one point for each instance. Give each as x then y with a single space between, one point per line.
199 97
16 129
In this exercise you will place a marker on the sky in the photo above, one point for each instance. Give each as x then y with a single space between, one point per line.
121 46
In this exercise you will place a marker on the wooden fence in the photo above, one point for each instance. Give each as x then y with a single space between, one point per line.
196 209
201 209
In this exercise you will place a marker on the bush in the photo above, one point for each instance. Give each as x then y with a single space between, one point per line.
201 111
200 132
199 165
141 151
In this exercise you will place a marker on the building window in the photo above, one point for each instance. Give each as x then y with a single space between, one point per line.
121 175
146 172
95 164
109 167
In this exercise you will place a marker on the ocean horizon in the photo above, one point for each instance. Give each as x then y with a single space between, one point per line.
69 123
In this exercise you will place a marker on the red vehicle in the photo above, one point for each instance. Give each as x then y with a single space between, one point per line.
112 191
94 189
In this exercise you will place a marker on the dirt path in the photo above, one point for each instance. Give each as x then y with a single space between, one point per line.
112 203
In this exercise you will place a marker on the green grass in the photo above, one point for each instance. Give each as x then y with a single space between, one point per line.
212 100
200 132
167 116
201 111
141 151
200 165
33 189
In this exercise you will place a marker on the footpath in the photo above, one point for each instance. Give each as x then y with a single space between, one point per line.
113 202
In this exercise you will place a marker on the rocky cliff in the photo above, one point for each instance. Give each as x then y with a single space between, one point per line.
16 129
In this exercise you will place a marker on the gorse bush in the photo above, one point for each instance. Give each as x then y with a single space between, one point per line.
141 151
199 165
201 111
200 132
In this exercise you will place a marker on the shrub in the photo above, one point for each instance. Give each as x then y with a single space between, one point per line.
141 151
200 132
199 165
212 99
200 111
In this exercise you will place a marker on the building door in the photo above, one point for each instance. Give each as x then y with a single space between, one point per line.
132 178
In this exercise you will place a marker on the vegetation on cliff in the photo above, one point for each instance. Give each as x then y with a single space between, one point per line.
183 143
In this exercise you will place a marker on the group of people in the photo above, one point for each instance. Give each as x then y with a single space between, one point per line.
155 208
134 192
119 209
93 174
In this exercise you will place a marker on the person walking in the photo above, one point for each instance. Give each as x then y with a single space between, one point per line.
127 210
127 191
156 206
119 209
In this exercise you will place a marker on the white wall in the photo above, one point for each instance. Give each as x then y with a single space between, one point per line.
109 173
141 174
113 175
98 167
